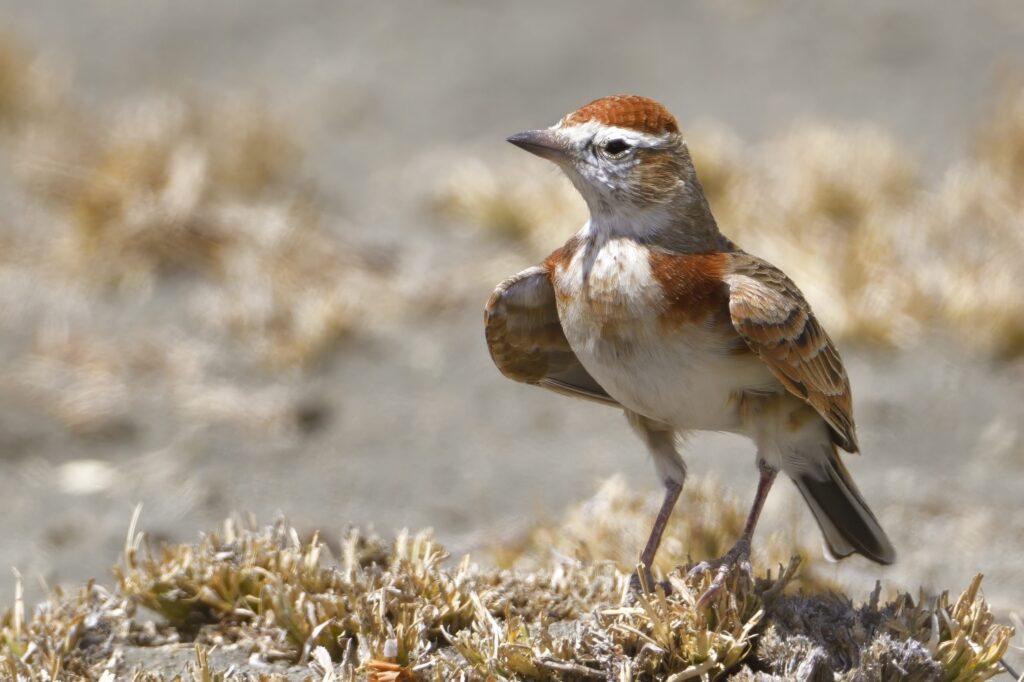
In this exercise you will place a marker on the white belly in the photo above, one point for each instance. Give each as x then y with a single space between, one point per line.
684 380
682 376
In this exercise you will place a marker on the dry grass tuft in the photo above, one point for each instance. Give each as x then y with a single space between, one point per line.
145 194
185 187
392 607
999 143
66 637
843 211
174 251
93 386
978 215
392 611
28 86
394 602
961 635
655 637
83 384
517 204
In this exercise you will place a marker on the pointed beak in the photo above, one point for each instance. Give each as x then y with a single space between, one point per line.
545 143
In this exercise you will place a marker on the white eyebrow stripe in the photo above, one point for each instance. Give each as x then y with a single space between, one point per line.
578 132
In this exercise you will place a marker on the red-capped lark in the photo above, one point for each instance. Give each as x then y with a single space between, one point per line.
649 308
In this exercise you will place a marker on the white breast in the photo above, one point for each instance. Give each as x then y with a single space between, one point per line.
609 304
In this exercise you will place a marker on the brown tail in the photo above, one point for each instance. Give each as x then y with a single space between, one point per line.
842 514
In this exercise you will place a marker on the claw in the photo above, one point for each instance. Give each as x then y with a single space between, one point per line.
737 557
700 569
715 587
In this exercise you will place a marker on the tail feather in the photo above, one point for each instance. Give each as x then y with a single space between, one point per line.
842 514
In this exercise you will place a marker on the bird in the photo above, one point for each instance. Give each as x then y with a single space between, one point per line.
651 309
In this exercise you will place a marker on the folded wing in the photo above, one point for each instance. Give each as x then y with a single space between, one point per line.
526 341
771 315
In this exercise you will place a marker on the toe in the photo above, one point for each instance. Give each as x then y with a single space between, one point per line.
700 569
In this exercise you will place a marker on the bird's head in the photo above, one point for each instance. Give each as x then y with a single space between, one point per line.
623 153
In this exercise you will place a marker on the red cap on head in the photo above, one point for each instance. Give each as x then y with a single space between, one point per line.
626 111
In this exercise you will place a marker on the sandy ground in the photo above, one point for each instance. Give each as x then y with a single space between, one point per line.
411 425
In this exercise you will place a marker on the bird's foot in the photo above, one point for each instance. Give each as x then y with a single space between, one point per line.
737 557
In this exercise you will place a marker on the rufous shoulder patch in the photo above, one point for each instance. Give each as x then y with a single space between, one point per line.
560 258
626 111
693 285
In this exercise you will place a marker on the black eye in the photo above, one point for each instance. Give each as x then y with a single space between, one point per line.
615 147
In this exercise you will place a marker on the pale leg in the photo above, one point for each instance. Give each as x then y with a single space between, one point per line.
739 555
672 490
661 442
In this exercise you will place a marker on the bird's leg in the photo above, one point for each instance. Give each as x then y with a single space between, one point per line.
672 490
739 555
661 442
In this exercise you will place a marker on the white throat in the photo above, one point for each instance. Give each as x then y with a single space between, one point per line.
643 226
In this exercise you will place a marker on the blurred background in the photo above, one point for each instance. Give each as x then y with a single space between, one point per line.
245 247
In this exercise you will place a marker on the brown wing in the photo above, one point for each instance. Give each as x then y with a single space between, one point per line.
526 339
771 315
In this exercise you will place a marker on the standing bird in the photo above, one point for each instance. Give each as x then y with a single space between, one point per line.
651 309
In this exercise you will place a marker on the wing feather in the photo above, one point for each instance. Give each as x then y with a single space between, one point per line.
526 341
772 316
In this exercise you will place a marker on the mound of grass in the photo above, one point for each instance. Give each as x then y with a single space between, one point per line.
174 245
279 607
518 205
187 187
29 87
